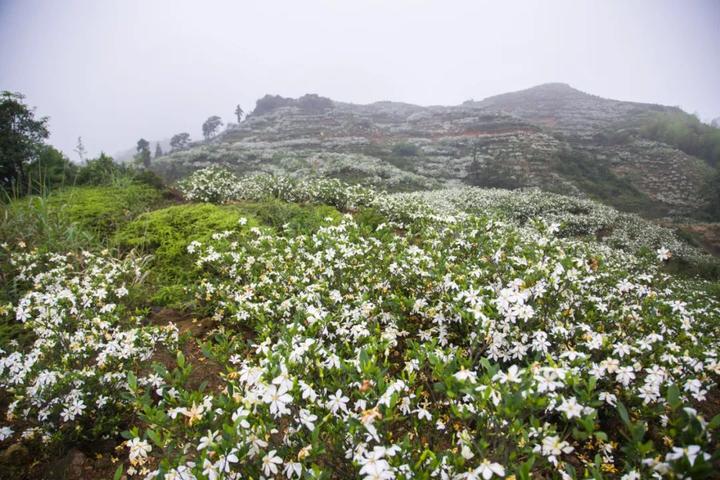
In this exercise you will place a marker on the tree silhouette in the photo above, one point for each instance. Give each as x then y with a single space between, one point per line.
210 126
179 141
143 152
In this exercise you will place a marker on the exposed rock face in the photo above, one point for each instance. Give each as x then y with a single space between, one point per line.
551 136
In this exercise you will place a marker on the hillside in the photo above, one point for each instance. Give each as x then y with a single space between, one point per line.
267 327
552 137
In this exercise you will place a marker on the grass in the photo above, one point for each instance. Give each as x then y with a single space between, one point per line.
167 232
67 220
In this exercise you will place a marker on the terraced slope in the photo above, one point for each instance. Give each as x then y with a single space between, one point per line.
552 137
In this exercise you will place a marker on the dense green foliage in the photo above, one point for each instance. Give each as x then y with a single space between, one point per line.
71 218
405 150
685 132
22 139
291 218
48 171
166 234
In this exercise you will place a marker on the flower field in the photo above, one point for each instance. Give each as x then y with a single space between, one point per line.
454 334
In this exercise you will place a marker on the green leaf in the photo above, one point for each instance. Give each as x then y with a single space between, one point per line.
623 413
180 359
132 381
673 396
155 437
601 436
714 423
118 473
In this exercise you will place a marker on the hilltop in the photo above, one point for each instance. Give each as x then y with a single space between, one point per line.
552 137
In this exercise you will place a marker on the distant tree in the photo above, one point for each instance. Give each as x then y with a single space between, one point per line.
21 139
158 150
239 113
210 126
179 141
713 194
314 103
100 171
269 103
51 169
143 152
80 150
405 150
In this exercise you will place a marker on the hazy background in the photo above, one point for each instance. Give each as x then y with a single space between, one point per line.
115 71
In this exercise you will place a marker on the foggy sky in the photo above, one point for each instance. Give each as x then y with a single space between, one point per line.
115 71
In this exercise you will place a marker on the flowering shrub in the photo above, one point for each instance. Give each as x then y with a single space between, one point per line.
65 384
213 184
457 334
468 348
576 217
217 185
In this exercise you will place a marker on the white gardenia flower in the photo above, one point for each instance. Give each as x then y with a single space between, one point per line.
625 375
663 254
423 413
465 374
270 463
552 446
283 380
208 440
293 469
466 453
608 398
5 432
278 398
487 469
139 450
512 375
571 408
337 402
308 419
691 452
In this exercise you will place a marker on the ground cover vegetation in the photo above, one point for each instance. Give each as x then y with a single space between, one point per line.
264 327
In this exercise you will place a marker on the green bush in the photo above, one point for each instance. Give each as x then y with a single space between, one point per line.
406 150
166 233
291 218
101 210
73 218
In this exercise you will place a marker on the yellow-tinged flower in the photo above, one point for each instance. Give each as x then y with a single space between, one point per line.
195 413
304 452
609 467
369 416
